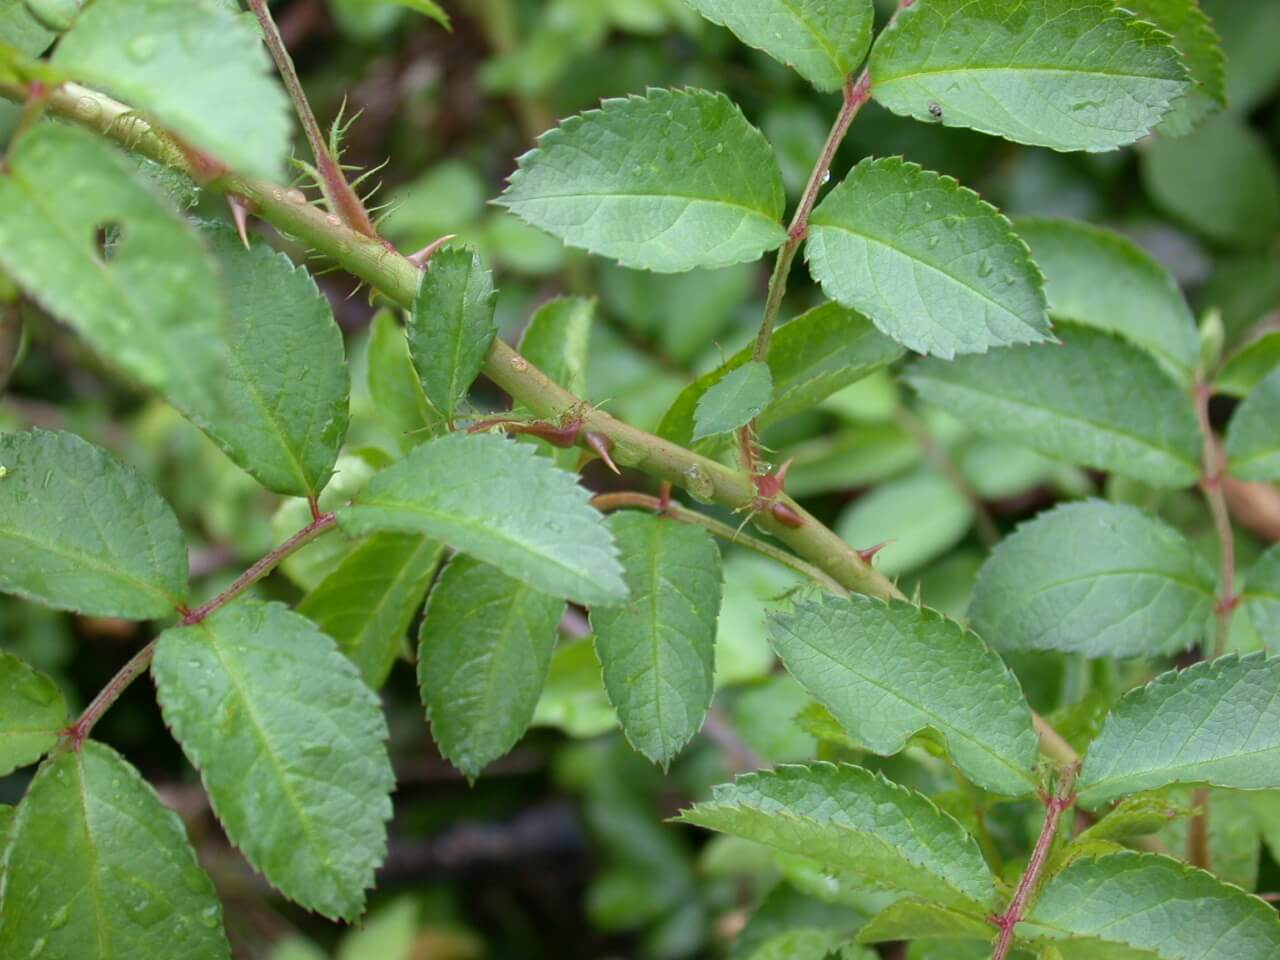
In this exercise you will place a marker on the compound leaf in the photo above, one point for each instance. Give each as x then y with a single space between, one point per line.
670 181
367 602
1217 722
1066 74
32 714
822 41
289 743
734 401
452 326
1100 278
484 650
1102 579
502 503
81 531
1095 401
1253 435
1201 49
1135 904
858 821
99 867
196 66
862 659
658 648
933 265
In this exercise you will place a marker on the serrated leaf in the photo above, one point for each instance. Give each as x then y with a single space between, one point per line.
394 385
658 648
891 515
1253 435
1066 74
1261 596
32 715
734 401
289 744
196 66
1138 816
1201 50
918 920
860 658
98 867
1101 579
500 502
1140 902
484 650
822 41
1095 401
1102 279
452 326
670 181
810 358
858 821
1216 722
368 601
557 341
284 396
81 531
933 265
1247 367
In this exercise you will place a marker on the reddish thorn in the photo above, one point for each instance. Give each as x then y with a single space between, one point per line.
868 554
423 256
786 516
1228 604
771 484
240 215
602 445
664 497
798 231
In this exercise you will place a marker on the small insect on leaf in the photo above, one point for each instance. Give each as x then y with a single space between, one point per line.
935 109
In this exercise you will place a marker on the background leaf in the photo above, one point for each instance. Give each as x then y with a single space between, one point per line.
891 515
873 666
1102 579
919 920
394 385
557 340
1261 596
81 531
618 182
484 650
452 327
289 743
734 401
98 867
1247 367
1095 401
1066 74
658 648
935 267
822 41
1253 437
32 715
500 502
856 820
1215 722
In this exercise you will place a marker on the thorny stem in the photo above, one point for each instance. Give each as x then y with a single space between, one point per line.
75 735
988 532
341 195
1057 803
398 279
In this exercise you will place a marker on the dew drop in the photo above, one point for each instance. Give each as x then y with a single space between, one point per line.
826 177
209 916
933 242
699 483
142 47
59 919
984 267
37 948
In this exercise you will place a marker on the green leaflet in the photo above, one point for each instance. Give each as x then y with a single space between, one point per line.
196 66
81 531
427 8
1102 579
1142 902
1217 722
1253 435
20 30
858 821
367 602
1242 210
1137 816
933 265
99 867
658 648
734 401
861 659
388 934
1247 367
786 922
890 514
1261 596
573 697
32 714
1066 74
283 414
1095 401
484 649
822 41
1099 278
500 502
394 386
670 181
289 743
810 358
557 338
310 565
918 920
451 327
1201 50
